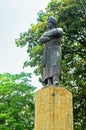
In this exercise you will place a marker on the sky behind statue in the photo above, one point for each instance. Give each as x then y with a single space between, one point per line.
15 18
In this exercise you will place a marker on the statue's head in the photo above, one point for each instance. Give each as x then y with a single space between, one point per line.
51 22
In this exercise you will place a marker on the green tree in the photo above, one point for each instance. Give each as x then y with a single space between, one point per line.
71 16
16 102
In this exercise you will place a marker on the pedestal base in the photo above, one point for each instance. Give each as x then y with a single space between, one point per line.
53 109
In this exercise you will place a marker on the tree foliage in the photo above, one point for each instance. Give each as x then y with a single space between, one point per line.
16 102
71 16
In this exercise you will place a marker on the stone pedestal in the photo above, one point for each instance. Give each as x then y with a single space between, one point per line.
53 109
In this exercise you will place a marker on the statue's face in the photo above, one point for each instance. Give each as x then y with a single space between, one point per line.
50 25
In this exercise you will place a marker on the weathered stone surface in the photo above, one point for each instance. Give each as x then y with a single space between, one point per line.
53 109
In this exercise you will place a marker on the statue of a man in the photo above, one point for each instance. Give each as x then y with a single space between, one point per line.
51 61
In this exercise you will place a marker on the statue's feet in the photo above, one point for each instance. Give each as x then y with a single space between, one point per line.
55 83
55 80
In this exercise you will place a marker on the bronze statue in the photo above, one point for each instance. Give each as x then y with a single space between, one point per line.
51 61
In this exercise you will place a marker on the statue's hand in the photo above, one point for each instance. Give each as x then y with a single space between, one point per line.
39 43
44 38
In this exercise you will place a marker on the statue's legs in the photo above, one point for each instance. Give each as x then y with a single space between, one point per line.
49 81
53 80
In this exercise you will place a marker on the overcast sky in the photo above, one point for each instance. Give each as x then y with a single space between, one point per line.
15 18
